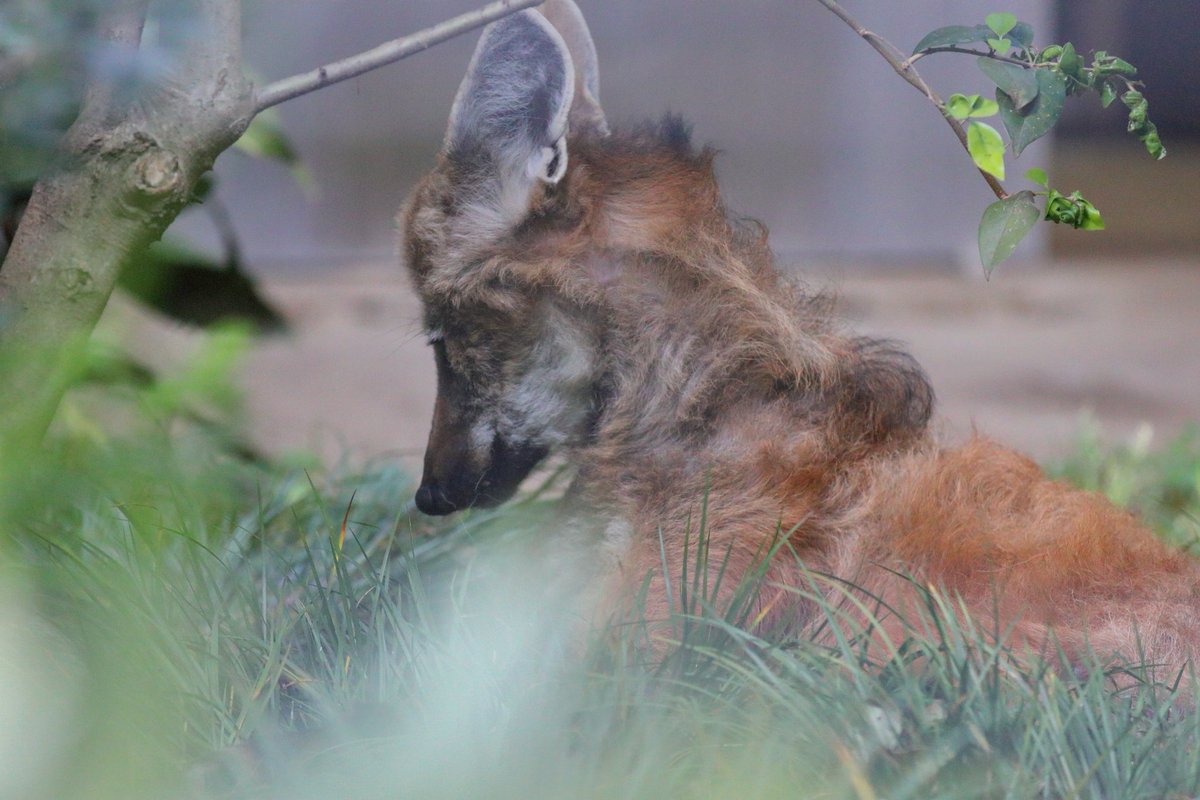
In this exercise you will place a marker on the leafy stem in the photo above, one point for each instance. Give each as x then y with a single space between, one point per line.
902 66
1032 85
992 54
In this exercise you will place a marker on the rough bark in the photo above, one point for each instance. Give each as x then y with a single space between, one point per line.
127 170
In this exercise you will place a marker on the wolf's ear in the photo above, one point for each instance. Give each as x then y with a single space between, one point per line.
511 109
586 113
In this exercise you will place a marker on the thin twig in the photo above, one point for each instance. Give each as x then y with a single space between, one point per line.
905 70
992 54
388 53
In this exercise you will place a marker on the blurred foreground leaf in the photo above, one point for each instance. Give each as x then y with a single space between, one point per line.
191 288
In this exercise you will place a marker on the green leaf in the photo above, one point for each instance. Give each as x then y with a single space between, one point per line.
986 148
1001 24
265 139
192 288
1073 210
952 35
1001 46
1108 93
1069 62
1038 176
1017 82
1133 98
1093 221
1121 66
1141 126
1051 52
1154 145
1035 120
1005 223
959 106
1022 35
1138 107
962 106
984 107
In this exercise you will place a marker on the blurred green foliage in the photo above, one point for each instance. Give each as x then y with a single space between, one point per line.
92 568
1161 485
179 621
49 52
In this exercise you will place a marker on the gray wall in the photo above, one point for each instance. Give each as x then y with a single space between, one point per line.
820 139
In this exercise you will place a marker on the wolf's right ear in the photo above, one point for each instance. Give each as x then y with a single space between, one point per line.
567 19
510 115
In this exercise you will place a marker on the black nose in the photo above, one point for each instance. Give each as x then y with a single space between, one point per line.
433 501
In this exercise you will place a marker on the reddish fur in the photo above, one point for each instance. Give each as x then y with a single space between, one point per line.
725 380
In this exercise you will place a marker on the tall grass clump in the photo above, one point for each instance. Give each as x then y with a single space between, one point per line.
179 618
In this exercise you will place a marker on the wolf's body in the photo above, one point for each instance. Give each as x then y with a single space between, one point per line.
586 291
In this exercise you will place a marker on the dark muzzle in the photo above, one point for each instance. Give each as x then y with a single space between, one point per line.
446 488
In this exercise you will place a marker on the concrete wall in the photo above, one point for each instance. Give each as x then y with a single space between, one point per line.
820 139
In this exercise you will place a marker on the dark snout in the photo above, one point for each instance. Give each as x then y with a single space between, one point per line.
451 482
431 500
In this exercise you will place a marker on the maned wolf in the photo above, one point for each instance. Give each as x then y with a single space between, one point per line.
585 291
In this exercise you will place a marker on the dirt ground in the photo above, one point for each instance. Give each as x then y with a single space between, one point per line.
1019 358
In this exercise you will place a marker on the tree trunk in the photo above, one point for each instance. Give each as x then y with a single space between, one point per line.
128 169
125 174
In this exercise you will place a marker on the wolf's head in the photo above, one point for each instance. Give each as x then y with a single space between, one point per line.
582 288
517 362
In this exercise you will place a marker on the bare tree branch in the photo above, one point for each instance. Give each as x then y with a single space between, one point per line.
384 54
905 70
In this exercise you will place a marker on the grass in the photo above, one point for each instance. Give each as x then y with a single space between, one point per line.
176 621
1162 486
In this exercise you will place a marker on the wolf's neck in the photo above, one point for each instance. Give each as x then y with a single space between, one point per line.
707 357
684 351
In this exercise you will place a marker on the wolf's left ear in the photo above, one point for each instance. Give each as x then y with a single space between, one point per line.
510 114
